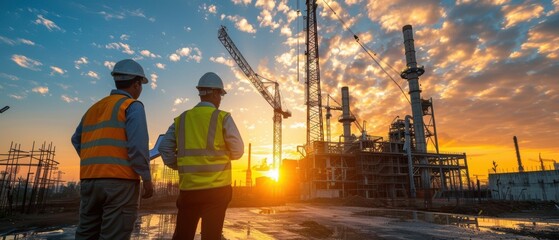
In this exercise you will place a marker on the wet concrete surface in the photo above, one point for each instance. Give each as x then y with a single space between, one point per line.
302 221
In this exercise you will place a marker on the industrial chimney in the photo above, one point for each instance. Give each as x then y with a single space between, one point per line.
249 171
520 168
412 73
346 117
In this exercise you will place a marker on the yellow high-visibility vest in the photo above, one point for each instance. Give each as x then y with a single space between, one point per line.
103 150
202 158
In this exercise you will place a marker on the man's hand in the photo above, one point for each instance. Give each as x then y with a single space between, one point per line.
148 189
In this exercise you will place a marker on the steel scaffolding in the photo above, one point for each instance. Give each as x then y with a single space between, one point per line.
26 184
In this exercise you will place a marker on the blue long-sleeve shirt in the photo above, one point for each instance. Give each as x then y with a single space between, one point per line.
231 135
136 134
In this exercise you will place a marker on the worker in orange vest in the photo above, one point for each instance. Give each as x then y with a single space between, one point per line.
200 144
112 142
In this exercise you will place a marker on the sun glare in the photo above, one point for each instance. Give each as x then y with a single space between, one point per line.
273 174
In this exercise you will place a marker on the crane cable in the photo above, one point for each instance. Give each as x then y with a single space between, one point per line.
368 51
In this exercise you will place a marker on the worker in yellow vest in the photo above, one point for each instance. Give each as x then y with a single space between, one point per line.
200 144
112 142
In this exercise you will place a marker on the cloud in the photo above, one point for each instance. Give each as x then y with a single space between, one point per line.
147 53
92 74
26 62
160 65
109 64
238 2
190 53
112 14
137 13
266 20
265 4
556 7
521 13
80 61
179 101
153 80
124 37
57 70
184 51
174 57
140 13
41 90
25 41
63 86
286 31
240 23
287 59
8 76
16 42
17 97
392 15
125 47
50 25
69 99
109 16
212 9
298 125
222 60
543 38
7 40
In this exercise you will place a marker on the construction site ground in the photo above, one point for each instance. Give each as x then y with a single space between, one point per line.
349 218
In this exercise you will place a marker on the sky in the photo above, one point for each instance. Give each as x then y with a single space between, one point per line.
490 68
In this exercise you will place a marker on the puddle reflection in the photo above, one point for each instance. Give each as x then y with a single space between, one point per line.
463 221
253 224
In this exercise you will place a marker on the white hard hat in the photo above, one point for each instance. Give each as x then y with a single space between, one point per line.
211 80
127 69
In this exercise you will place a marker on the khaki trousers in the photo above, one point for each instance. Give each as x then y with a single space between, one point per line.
108 208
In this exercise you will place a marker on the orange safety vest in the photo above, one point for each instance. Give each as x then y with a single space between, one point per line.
103 150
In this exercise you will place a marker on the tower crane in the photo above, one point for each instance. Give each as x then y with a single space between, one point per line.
313 94
261 85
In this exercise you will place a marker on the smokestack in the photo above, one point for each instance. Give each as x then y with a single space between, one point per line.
520 168
346 117
249 172
412 73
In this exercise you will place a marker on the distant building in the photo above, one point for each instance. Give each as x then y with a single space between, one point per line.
265 187
289 178
524 186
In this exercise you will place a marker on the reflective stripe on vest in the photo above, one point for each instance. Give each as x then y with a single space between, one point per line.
103 151
202 159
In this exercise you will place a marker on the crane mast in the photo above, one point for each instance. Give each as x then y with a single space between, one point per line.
313 94
260 84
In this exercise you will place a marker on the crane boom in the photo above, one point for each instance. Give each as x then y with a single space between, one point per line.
257 81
